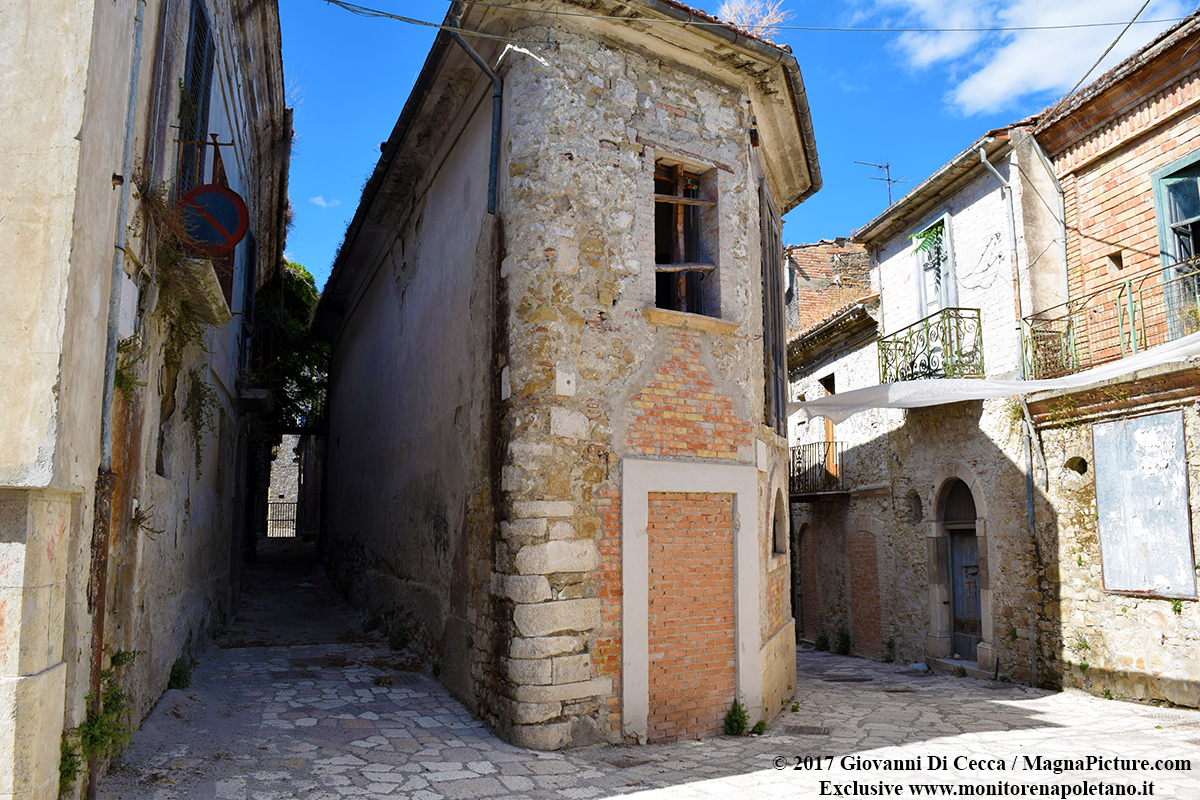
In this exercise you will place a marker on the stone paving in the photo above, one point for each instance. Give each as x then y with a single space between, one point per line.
337 720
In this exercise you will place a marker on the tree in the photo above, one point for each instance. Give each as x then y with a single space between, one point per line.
293 364
759 17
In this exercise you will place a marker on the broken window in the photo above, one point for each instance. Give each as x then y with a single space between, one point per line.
684 238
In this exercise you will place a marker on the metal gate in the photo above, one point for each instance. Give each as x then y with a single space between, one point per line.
281 520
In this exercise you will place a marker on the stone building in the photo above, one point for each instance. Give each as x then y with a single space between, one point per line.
821 277
1124 474
1024 490
555 450
119 498
912 526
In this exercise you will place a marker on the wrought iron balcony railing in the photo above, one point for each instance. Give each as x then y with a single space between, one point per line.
948 344
815 468
1112 322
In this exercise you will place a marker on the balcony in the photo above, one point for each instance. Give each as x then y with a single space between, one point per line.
1113 322
948 344
815 469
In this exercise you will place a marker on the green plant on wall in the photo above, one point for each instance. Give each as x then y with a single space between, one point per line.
185 324
141 521
106 726
130 353
199 413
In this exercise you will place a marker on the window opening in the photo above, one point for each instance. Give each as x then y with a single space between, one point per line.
774 327
1180 193
193 101
933 256
682 265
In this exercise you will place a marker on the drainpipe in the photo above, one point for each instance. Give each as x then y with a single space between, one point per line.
1006 191
497 97
106 478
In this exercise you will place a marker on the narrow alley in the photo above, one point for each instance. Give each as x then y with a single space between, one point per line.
296 701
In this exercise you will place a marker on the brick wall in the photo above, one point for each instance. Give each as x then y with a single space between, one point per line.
825 277
680 414
808 623
691 614
606 654
864 594
1110 201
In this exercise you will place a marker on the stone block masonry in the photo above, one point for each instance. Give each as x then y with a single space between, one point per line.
691 614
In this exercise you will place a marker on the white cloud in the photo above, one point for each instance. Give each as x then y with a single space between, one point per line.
992 71
323 203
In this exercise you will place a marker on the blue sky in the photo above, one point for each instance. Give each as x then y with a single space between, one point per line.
913 100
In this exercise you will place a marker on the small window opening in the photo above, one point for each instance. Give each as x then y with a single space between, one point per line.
1077 464
682 229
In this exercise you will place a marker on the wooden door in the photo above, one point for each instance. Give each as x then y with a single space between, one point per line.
964 574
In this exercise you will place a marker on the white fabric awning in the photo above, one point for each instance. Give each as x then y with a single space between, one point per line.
917 394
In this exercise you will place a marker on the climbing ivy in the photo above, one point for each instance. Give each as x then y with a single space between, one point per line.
198 412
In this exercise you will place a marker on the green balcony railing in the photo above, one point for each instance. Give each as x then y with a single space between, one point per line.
948 344
1113 322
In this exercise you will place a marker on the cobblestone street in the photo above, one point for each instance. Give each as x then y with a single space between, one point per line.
337 714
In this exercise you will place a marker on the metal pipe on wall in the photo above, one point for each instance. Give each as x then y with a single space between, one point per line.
1006 191
497 98
106 479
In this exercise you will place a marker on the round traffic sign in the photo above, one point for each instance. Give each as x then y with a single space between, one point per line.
215 219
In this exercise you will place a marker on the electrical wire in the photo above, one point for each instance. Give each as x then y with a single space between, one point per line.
694 23
1103 55
373 13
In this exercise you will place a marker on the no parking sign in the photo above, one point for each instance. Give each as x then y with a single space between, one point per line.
215 218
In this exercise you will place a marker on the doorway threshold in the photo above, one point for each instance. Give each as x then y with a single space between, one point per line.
951 665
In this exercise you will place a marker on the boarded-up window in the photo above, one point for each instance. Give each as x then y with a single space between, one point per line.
1142 510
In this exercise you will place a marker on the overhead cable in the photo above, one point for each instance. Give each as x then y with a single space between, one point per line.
695 23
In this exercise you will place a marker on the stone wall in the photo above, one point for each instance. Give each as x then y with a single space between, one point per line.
593 378
1101 640
285 471
1127 646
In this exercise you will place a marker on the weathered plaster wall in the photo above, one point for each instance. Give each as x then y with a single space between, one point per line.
409 487
166 586
47 52
979 236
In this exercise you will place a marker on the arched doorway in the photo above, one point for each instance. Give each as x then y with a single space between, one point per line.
959 521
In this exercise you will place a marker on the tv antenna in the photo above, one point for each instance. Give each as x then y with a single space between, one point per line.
887 176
